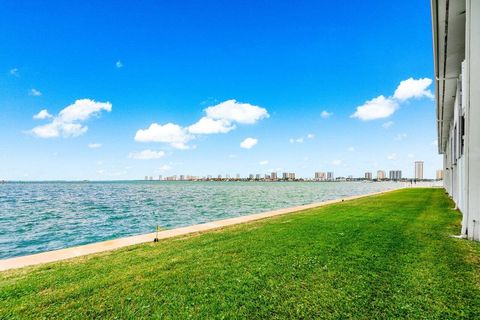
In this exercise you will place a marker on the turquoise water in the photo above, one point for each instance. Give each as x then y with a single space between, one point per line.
37 217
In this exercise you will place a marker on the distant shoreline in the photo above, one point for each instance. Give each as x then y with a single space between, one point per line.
222 180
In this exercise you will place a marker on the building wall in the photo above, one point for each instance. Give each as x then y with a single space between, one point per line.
472 165
462 164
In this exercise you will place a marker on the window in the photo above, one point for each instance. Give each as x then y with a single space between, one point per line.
454 147
462 135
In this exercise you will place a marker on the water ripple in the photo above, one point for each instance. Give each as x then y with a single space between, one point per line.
37 217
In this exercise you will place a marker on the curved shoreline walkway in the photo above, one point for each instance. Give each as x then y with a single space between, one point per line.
68 253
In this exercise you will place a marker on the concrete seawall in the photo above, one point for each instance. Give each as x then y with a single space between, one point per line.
68 253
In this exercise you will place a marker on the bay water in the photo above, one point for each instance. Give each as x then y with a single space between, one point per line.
42 216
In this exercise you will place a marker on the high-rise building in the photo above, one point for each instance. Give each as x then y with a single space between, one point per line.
250 176
330 176
439 175
368 175
418 170
319 176
258 176
285 176
381 175
182 177
395 174
273 176
160 177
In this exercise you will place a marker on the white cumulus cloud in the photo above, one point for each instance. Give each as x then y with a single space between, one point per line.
383 107
297 140
220 118
165 168
337 162
300 139
234 111
310 136
392 156
387 124
14 72
147 155
69 122
170 133
351 148
263 162
377 108
210 126
43 114
400 136
94 145
119 64
325 114
413 88
58 128
248 143
83 109
34 92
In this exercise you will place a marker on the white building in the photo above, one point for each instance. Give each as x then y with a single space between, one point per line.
319 176
395 174
456 44
368 175
381 175
418 170
439 175
330 176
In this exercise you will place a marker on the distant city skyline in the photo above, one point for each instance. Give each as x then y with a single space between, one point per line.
316 176
285 87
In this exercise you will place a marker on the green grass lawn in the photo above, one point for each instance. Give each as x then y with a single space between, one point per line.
387 256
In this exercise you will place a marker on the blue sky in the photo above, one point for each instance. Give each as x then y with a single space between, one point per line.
267 70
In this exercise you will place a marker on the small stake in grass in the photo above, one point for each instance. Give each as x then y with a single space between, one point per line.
156 236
